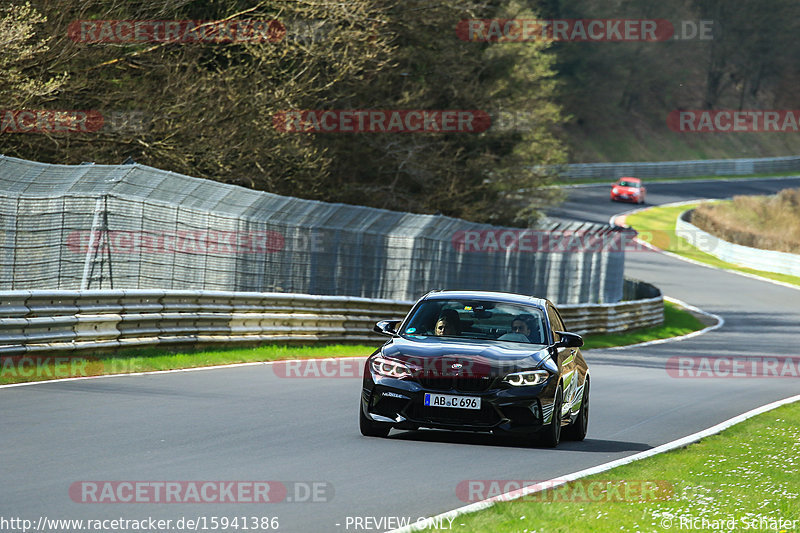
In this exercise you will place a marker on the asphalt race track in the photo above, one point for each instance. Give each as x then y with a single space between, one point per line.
591 202
248 424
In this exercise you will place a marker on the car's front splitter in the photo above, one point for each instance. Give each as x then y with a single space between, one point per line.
401 404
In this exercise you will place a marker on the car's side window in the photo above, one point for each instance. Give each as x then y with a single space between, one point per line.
555 322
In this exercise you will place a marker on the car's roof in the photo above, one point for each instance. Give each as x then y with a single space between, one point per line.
628 178
491 296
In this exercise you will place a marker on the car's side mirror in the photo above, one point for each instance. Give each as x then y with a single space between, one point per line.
387 327
569 340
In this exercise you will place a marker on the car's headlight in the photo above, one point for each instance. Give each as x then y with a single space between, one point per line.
615 190
389 368
526 379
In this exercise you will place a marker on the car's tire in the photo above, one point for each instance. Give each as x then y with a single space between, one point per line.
369 428
577 430
551 435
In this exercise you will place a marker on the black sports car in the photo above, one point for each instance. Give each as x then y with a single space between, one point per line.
478 361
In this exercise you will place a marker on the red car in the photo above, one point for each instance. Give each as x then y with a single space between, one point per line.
628 190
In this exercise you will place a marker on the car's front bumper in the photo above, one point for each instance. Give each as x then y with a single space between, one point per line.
503 409
625 197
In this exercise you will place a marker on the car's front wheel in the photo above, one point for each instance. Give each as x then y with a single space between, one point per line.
369 428
551 435
577 430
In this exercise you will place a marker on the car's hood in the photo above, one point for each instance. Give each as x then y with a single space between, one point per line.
626 190
437 355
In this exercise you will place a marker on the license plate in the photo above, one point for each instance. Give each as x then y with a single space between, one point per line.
447 400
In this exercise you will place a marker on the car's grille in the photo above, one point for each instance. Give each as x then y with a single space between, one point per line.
472 384
436 382
486 416
456 383
387 406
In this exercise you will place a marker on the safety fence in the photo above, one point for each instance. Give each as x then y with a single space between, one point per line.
679 169
67 320
135 227
755 258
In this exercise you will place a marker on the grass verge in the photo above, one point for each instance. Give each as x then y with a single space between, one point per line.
748 473
677 322
44 367
656 225
766 222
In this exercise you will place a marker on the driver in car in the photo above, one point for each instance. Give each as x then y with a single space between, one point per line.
448 324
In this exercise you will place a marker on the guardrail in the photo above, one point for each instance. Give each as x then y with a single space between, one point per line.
643 307
755 258
675 169
64 320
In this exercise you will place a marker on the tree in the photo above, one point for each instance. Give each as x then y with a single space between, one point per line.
207 109
21 77
494 176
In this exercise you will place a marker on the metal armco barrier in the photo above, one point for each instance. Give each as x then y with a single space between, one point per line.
45 321
676 169
755 258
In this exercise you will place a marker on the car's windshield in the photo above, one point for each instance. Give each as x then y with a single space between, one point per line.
477 319
624 183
